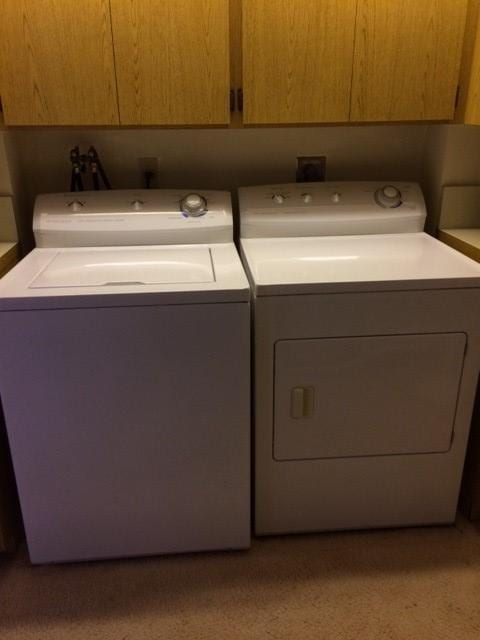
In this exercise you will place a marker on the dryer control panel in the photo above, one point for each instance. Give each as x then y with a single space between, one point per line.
132 217
331 208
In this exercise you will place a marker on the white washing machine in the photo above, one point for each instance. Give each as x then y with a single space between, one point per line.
125 376
367 355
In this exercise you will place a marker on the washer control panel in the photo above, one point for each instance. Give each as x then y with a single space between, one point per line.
331 208
130 217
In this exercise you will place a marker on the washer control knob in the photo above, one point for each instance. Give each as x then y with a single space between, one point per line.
193 205
388 197
336 197
278 198
137 205
307 198
76 205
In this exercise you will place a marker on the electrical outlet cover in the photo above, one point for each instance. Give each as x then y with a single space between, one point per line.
311 168
148 166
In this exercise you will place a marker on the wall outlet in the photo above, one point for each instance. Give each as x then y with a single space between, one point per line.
148 172
311 168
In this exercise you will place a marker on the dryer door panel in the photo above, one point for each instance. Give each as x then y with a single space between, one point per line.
366 396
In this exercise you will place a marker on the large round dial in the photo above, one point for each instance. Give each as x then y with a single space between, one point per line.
193 205
388 197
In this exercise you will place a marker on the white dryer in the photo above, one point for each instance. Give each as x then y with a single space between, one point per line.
125 348
367 355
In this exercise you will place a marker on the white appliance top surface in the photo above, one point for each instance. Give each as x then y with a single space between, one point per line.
356 263
111 276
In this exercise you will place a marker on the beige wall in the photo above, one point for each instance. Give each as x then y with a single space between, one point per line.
225 159
5 181
11 182
219 158
452 157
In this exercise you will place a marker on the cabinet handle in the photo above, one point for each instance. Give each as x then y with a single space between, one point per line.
240 99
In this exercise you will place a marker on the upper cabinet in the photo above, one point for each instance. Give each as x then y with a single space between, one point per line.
172 61
297 60
468 110
57 63
189 62
407 59
355 60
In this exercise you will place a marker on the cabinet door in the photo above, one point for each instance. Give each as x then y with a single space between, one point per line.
407 59
172 60
57 63
297 60
468 109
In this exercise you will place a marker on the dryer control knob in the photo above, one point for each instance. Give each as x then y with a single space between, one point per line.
76 205
278 198
193 205
307 198
388 197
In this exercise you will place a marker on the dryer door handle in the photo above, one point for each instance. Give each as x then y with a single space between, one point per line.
302 401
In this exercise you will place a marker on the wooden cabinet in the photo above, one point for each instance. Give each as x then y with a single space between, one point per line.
172 61
468 111
357 60
407 59
168 62
297 60
57 63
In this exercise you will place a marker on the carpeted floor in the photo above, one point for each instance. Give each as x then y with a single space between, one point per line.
418 584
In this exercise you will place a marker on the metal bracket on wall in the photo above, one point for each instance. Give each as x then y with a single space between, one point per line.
240 99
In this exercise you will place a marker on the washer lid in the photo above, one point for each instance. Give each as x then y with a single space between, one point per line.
71 278
129 266
356 263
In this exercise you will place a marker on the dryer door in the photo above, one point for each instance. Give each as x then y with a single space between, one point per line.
366 396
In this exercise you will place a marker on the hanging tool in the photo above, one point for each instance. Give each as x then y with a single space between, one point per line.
78 167
96 168
80 162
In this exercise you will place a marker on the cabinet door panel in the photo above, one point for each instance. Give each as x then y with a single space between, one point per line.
57 63
298 57
468 109
172 60
407 59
